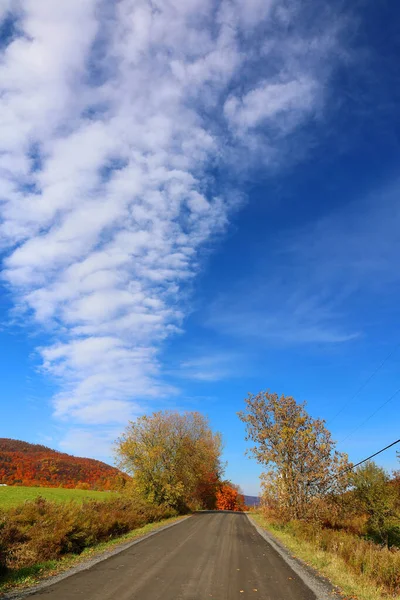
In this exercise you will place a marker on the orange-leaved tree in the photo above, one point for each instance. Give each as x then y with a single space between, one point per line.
229 497
298 450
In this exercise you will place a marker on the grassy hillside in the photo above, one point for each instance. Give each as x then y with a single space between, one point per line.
27 464
13 495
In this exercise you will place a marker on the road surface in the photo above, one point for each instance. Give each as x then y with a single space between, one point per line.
216 556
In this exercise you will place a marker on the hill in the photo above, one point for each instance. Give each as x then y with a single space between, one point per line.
27 464
251 500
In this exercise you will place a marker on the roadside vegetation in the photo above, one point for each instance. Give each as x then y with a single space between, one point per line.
343 521
41 530
30 575
360 568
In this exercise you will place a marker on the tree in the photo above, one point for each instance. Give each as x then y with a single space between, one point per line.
298 450
206 490
376 496
229 497
173 458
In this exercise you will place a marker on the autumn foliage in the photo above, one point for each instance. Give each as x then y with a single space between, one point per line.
229 498
299 453
27 464
40 530
174 459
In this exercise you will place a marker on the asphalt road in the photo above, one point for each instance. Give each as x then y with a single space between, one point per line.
210 555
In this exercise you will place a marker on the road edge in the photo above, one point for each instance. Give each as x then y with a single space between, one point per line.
321 587
85 564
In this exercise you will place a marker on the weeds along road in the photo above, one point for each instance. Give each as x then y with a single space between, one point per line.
210 555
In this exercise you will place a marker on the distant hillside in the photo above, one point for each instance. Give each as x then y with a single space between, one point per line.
251 500
27 464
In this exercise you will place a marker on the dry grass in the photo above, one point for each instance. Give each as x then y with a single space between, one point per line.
28 576
39 530
359 567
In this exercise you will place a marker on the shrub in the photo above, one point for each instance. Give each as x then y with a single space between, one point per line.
41 530
377 497
3 547
378 563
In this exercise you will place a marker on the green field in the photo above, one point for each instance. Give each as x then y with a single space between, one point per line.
12 495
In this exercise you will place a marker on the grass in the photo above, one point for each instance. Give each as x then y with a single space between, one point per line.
28 576
328 563
11 496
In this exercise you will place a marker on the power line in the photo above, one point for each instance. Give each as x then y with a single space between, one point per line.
371 415
364 460
351 467
372 455
364 385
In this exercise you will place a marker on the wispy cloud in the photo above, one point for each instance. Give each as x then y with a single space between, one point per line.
280 317
111 115
317 276
273 103
357 247
210 367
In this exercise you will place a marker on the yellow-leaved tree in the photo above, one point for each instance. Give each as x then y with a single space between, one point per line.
303 464
174 459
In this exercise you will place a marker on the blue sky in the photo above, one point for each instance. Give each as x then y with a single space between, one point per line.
198 200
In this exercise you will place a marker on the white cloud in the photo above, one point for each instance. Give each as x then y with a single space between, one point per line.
253 12
321 277
111 115
280 315
356 247
283 103
89 443
212 366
